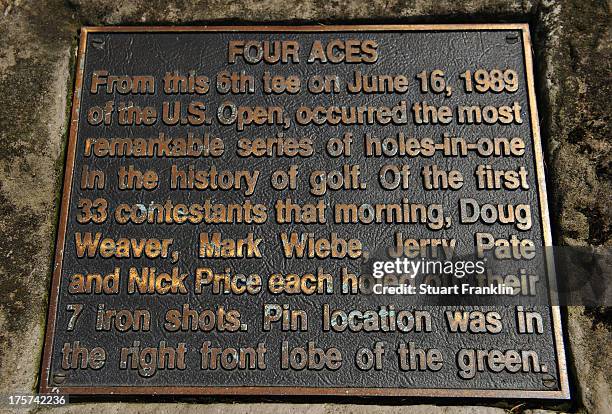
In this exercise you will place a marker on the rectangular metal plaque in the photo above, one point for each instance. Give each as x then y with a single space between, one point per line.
228 190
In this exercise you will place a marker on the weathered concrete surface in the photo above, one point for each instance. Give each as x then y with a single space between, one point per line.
37 45
281 409
574 51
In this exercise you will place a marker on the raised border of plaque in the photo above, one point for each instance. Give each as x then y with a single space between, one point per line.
45 385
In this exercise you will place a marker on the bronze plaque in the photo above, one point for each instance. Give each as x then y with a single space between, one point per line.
238 202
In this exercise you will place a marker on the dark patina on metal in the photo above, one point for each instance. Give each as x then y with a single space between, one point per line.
404 49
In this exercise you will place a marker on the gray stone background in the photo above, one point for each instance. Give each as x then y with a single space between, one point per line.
38 41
